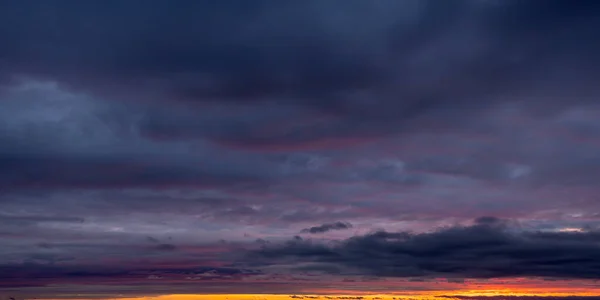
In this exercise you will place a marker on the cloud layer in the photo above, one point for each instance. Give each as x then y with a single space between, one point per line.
143 141
487 249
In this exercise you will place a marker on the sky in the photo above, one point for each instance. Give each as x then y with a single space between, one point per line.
344 148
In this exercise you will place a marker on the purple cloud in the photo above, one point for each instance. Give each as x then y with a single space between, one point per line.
143 141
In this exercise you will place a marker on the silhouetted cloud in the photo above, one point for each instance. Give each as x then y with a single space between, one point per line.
487 249
327 227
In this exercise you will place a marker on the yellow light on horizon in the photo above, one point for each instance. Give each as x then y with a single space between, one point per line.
422 296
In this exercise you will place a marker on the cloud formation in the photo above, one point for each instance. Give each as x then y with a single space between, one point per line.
329 79
327 227
145 141
488 249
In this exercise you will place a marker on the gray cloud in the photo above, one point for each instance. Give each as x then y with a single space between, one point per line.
488 249
408 59
12 219
166 128
327 227
380 83
50 137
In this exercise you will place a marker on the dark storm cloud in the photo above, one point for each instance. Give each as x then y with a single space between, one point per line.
50 137
488 249
261 73
327 227
367 66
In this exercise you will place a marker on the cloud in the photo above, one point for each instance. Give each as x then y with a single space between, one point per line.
408 60
165 247
327 227
141 133
30 219
50 137
490 248
43 274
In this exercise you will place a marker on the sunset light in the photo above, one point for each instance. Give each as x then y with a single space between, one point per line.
300 149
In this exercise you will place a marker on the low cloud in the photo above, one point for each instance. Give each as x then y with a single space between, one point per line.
490 248
327 227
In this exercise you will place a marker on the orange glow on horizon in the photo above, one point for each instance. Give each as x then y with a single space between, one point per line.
328 295
401 290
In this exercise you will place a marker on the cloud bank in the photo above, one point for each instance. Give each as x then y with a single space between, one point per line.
488 249
143 141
